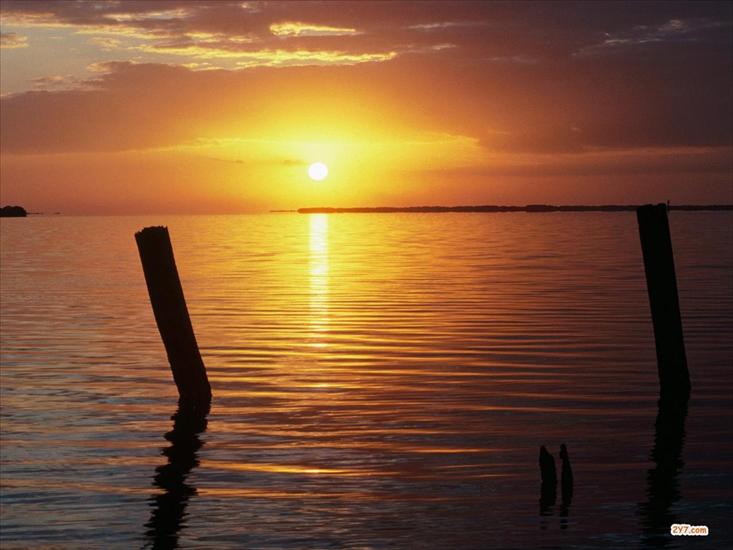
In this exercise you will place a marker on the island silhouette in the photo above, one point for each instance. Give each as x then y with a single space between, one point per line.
13 212
497 208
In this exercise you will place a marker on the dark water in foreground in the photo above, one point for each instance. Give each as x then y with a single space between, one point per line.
380 381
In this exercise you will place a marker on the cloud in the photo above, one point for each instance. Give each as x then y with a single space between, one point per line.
268 57
106 43
12 40
712 160
219 37
154 15
443 25
262 162
59 82
300 58
502 33
250 34
307 29
431 48
128 106
673 30
504 74
517 59
641 127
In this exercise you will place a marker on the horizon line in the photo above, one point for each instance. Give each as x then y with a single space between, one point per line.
501 208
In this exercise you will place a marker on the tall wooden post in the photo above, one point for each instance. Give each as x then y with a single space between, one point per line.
171 316
661 282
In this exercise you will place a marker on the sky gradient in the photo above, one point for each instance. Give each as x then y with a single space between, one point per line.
219 107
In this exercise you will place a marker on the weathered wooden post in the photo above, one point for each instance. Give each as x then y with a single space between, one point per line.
171 316
656 245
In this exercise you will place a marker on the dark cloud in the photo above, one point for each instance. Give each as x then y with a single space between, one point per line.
558 77
561 27
718 161
674 30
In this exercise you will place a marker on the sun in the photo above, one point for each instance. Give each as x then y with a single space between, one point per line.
318 171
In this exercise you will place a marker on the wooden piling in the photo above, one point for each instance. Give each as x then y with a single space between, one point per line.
656 245
171 316
548 472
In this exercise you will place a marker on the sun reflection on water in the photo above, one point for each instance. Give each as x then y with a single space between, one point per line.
318 272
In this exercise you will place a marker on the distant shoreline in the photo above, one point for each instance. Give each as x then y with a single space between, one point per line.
494 208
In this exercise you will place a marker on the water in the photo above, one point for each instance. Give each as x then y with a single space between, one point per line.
380 381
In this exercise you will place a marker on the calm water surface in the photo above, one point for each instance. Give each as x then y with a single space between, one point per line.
380 381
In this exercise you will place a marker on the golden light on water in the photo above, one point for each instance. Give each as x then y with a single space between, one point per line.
318 271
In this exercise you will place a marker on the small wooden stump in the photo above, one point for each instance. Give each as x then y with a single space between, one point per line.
171 316
548 488
566 482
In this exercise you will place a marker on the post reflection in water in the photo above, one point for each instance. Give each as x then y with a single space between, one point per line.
662 480
318 276
169 507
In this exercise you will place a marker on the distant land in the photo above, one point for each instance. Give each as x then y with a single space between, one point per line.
13 212
495 208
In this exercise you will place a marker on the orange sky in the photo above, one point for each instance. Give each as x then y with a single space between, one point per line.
206 107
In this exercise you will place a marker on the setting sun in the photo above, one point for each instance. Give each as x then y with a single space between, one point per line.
318 171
